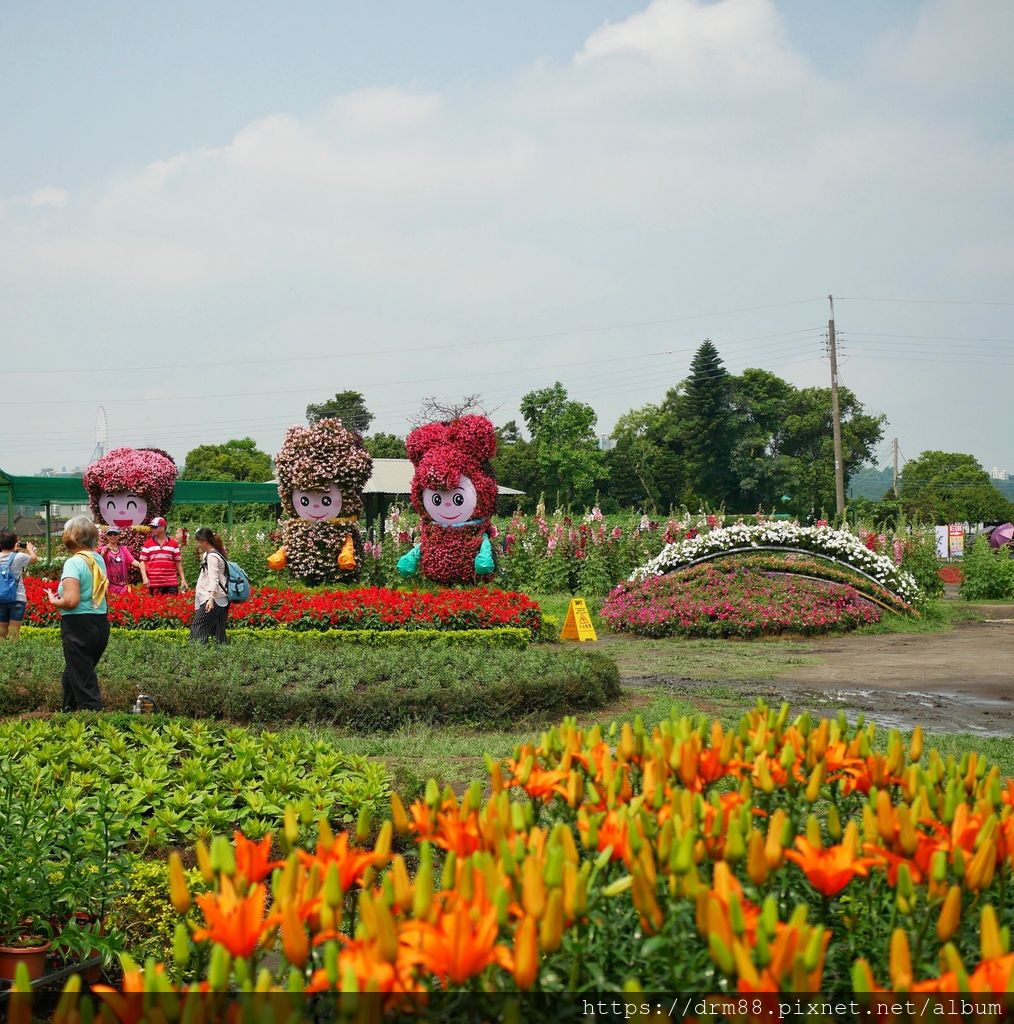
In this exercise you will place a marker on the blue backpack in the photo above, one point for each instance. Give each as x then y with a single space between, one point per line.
237 583
8 582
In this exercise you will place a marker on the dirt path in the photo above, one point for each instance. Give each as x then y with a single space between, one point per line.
958 681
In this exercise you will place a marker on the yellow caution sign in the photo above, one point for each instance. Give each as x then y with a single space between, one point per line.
578 624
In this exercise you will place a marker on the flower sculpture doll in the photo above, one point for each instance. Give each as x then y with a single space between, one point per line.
454 492
322 470
128 487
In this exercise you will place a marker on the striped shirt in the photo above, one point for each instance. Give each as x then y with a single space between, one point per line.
161 562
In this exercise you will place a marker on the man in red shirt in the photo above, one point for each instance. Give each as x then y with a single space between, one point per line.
161 562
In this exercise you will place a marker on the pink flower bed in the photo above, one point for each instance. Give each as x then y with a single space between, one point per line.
717 601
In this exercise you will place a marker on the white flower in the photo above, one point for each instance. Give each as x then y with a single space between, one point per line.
839 545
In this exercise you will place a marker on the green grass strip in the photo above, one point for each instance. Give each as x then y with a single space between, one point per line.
501 637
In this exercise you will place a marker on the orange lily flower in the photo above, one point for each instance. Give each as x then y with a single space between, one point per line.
894 861
350 861
373 972
831 869
710 767
993 975
453 829
459 946
543 784
236 922
613 831
252 858
839 763
127 1001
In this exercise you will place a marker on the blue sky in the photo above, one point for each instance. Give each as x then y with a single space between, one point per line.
305 195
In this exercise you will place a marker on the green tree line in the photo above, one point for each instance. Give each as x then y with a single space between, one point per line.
741 442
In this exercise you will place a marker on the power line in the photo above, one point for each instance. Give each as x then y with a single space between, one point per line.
930 337
588 386
578 389
927 302
372 384
432 348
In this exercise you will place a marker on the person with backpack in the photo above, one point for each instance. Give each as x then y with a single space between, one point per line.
84 615
211 591
13 599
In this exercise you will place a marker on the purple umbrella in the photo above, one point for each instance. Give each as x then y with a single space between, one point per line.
1002 535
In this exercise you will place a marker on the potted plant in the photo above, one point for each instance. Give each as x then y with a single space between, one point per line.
26 906
95 842
61 854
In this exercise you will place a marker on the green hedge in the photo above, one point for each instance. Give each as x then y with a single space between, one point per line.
354 687
502 637
171 782
987 573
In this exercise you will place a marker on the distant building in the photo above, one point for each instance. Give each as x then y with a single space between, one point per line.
606 443
58 509
999 474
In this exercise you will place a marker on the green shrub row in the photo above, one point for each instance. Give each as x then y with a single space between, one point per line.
501 637
354 687
165 782
987 573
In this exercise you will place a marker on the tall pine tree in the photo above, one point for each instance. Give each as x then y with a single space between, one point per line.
706 429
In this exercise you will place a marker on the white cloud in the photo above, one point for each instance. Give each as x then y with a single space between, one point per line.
46 197
957 51
687 158
734 45
49 196
682 119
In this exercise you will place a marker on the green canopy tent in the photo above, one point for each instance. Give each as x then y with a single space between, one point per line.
69 490
391 478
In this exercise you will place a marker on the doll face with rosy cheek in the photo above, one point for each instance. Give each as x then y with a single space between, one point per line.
317 505
123 509
455 505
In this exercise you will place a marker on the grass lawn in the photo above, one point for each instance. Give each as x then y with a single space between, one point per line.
454 755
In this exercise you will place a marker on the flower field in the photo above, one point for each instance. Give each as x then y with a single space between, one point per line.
782 855
730 600
366 608
822 540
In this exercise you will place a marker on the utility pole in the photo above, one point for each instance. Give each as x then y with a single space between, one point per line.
894 453
839 466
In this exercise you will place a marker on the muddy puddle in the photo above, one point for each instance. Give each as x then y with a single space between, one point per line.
961 681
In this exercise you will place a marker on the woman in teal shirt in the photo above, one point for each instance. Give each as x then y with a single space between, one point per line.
84 615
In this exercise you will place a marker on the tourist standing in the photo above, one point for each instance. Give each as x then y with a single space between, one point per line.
12 566
84 616
211 594
118 561
162 562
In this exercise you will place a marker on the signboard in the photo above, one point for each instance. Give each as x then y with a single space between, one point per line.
942 549
957 540
578 624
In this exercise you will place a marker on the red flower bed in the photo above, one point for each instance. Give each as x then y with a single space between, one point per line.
366 608
950 573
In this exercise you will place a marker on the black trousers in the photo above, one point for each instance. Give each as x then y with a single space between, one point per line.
209 625
84 640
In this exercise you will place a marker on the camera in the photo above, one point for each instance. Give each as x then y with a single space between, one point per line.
23 544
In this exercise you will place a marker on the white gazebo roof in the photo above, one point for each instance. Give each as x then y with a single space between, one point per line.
394 476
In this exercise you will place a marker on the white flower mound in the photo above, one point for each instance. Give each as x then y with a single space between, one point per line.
837 544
